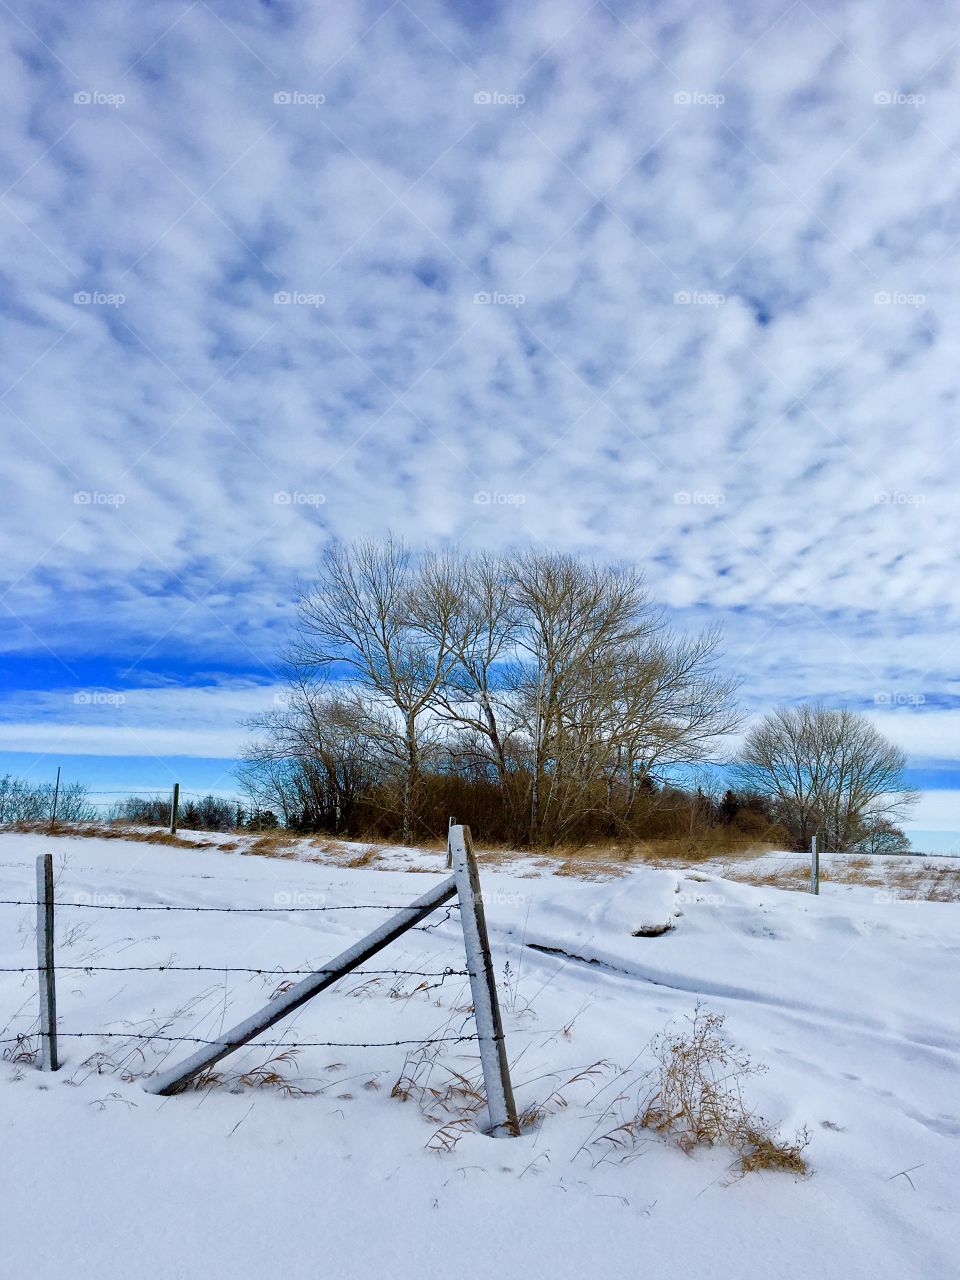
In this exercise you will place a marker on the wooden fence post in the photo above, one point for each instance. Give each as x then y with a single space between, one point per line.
56 797
493 1049
814 866
450 826
49 1060
174 808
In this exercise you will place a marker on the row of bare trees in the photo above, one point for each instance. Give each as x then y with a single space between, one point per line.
548 683
543 698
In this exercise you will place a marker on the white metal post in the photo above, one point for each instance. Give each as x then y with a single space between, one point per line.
814 866
175 808
493 1049
49 1060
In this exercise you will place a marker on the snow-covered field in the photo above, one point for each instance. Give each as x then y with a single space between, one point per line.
851 1000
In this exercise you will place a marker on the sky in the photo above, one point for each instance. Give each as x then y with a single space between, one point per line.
672 283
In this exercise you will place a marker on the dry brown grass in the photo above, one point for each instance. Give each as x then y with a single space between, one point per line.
267 1075
929 882
694 1098
107 831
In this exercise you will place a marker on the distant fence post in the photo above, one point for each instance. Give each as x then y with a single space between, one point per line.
450 826
49 1060
486 1006
56 797
814 866
174 808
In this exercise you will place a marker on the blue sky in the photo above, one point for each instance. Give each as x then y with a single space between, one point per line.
676 283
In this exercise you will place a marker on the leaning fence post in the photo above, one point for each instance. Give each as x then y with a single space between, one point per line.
174 808
814 866
493 1049
45 967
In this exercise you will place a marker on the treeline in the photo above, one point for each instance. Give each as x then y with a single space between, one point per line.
206 813
541 698
537 696
24 801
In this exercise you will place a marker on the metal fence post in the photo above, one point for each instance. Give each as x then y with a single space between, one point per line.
814 866
49 1060
174 808
56 797
493 1049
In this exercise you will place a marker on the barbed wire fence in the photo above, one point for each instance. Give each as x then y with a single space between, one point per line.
213 809
485 1012
273 971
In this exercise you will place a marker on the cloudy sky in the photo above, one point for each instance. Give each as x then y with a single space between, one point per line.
671 282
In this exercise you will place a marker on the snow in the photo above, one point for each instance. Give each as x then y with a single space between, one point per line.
850 999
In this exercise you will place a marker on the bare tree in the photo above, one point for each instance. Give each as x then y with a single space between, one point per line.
826 771
362 612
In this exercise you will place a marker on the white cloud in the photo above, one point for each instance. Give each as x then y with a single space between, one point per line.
819 423
161 722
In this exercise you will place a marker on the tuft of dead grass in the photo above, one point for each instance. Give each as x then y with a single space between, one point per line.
267 1075
694 1098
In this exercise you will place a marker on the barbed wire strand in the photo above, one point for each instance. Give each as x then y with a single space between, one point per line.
250 1044
226 968
110 906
